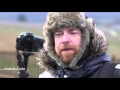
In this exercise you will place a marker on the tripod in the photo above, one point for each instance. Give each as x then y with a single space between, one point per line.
22 63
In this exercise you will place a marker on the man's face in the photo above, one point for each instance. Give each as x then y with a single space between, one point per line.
67 43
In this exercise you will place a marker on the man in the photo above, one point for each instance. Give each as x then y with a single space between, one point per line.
73 48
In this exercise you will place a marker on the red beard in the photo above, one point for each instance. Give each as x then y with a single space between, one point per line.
67 52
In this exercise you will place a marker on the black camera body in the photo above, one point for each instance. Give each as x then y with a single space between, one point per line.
26 41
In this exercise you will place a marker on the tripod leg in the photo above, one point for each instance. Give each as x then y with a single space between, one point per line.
21 64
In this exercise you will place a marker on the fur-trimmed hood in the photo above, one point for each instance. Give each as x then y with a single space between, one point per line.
91 37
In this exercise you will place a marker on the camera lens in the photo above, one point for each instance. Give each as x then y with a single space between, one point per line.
27 42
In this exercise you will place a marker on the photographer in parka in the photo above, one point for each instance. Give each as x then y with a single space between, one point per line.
73 48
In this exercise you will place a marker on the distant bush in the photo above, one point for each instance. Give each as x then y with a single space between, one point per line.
22 18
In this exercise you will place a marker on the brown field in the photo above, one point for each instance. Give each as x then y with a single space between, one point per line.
8 41
9 33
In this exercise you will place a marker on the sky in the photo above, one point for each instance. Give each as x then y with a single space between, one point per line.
40 16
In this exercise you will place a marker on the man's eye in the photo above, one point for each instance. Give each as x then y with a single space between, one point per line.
58 34
73 33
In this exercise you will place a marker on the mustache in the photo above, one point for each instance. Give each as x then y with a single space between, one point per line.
66 47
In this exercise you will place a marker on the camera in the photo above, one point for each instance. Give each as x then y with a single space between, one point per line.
26 41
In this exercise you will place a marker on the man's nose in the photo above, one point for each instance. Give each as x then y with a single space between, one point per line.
65 38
